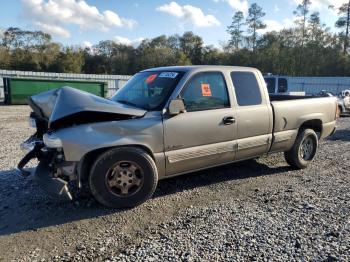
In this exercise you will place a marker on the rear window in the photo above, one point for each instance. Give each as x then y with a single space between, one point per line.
270 83
247 88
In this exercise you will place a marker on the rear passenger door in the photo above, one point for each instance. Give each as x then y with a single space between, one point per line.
254 126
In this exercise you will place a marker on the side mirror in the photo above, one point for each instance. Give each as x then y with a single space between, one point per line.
176 106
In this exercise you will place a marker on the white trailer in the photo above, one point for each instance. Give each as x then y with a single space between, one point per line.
307 85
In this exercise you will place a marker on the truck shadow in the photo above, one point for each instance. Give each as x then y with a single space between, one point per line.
25 207
231 172
340 135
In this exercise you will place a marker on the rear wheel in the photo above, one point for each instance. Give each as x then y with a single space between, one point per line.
304 149
123 177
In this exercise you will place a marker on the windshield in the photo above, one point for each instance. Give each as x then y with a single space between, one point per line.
148 90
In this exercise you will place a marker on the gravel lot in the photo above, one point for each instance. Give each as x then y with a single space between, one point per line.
259 210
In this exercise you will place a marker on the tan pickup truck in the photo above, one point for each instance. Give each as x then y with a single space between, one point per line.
165 122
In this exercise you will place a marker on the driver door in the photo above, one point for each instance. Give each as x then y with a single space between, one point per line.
204 135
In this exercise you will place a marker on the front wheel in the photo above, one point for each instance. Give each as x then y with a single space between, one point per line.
304 149
123 177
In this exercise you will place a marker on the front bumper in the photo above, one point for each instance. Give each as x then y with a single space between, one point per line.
52 185
44 173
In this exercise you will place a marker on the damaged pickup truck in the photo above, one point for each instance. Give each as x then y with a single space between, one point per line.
166 122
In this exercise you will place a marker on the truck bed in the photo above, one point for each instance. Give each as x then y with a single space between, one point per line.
292 112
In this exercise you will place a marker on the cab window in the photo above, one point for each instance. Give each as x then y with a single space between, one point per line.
206 91
247 88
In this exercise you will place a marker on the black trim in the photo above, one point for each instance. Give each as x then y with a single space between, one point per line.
35 153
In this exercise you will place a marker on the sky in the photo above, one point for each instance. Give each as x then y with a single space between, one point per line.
84 23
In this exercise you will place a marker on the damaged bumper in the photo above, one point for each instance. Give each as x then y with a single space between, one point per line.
52 185
52 176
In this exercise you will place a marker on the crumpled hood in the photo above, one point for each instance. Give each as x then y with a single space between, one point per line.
68 105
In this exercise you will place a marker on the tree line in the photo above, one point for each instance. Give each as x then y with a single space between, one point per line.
309 48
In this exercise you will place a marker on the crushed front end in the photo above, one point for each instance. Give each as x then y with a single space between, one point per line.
52 172
60 110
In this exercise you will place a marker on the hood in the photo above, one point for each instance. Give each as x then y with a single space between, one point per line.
69 106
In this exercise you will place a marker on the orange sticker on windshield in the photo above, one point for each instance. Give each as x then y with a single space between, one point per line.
151 78
206 90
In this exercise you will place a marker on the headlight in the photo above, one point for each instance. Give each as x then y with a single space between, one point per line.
51 141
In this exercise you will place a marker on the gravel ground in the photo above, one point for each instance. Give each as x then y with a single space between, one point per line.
258 210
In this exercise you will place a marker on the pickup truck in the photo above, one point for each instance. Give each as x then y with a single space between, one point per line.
166 122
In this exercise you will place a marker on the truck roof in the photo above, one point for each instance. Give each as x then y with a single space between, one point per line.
201 67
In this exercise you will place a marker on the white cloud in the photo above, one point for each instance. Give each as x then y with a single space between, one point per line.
1 32
240 5
237 5
190 14
126 41
53 16
273 25
276 9
53 29
86 44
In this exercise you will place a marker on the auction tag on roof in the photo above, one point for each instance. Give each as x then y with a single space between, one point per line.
168 74
206 91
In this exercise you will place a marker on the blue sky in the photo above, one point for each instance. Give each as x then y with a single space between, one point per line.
75 22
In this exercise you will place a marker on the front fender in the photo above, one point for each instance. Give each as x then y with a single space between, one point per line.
79 140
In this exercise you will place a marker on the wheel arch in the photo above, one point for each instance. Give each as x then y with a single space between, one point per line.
89 158
314 124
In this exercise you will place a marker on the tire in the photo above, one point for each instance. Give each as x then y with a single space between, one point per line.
123 177
296 156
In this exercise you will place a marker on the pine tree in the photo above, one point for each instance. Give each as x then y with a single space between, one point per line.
301 13
254 22
235 30
344 23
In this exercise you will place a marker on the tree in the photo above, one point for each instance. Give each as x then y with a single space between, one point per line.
5 58
235 30
69 61
164 51
314 25
317 30
301 13
343 22
192 46
301 33
15 37
254 22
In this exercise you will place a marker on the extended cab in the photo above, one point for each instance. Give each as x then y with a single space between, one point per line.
166 122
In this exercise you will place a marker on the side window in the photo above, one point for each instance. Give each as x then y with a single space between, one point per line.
206 91
246 88
271 83
282 85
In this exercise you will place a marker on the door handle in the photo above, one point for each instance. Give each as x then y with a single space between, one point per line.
229 120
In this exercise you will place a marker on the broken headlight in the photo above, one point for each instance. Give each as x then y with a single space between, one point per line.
52 141
32 122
